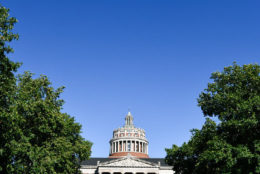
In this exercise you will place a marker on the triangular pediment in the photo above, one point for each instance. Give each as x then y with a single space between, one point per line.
128 161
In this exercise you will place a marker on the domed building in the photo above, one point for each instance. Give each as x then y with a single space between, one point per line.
128 154
129 140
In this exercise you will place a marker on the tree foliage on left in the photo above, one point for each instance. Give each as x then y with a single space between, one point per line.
35 136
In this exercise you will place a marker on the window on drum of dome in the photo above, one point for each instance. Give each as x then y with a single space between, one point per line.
129 146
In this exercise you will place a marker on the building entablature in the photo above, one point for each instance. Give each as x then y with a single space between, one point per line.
129 132
129 139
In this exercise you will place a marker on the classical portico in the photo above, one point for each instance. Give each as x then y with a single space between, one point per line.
127 165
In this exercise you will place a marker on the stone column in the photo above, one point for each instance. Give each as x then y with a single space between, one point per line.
113 147
139 149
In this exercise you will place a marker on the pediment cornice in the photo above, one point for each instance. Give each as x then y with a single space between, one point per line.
129 161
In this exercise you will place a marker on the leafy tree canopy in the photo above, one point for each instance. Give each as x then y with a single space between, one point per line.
232 145
35 136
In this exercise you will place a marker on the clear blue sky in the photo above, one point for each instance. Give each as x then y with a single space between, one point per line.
153 57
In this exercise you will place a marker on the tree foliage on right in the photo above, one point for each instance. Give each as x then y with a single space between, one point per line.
233 144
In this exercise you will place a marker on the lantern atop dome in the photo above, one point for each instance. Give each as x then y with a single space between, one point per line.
129 120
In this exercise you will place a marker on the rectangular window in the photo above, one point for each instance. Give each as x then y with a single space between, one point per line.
129 146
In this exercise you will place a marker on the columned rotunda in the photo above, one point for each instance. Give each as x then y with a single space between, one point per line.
128 154
129 140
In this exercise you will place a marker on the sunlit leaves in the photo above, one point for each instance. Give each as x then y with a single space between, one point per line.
232 146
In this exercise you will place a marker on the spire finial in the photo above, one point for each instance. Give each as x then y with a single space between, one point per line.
129 113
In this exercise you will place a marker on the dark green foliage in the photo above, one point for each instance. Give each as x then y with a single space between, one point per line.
35 136
233 145
7 90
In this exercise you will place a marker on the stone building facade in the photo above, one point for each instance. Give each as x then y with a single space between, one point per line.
128 154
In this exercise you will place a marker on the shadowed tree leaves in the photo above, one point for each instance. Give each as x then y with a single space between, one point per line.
232 146
35 136
8 115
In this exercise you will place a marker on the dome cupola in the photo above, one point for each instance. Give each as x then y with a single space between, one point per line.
128 140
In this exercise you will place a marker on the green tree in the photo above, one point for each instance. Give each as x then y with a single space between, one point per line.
232 145
8 117
51 141
35 136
